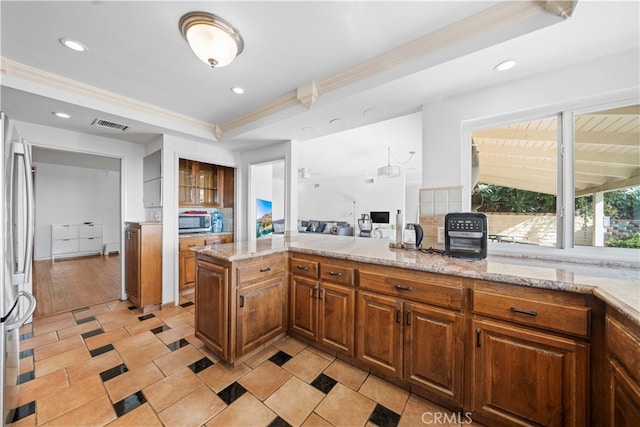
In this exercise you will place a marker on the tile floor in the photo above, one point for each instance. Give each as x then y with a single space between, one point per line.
112 365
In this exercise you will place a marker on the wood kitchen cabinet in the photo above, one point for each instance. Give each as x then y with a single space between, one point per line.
322 303
623 360
187 258
143 263
240 306
409 327
200 184
530 357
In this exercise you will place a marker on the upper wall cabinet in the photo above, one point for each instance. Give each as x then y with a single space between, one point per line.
152 177
201 184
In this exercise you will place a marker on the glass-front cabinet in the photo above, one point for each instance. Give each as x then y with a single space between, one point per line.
201 184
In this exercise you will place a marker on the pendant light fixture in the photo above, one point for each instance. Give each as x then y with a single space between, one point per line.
392 171
212 39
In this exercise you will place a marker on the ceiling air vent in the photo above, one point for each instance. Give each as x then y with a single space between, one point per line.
109 125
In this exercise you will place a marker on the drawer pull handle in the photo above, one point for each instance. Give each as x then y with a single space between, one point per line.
404 288
303 268
241 301
335 273
191 246
320 293
477 337
408 318
528 313
315 293
398 320
264 270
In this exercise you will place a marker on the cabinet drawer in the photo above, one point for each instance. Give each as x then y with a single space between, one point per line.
65 246
187 242
560 317
336 274
304 267
64 232
259 268
423 291
624 346
90 244
88 230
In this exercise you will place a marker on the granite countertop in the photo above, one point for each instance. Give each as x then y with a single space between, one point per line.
619 287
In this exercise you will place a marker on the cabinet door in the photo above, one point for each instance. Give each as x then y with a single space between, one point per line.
433 350
529 378
302 307
380 332
624 400
187 270
186 182
208 185
336 311
260 313
132 264
212 307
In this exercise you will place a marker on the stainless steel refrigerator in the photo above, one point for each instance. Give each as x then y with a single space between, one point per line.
16 245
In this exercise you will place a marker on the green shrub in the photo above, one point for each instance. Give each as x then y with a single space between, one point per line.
633 241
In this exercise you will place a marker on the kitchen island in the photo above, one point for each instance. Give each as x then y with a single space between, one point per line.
512 340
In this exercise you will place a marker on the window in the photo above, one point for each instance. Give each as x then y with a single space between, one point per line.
519 182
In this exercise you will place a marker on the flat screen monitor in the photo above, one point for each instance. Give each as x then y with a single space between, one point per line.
380 217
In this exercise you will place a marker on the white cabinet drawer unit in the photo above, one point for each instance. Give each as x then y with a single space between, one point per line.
72 240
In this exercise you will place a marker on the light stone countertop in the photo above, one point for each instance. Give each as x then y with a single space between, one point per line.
617 286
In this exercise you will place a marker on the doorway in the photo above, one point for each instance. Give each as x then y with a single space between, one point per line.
76 191
267 200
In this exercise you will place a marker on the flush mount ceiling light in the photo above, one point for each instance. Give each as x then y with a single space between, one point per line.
61 115
389 171
505 65
73 45
237 90
212 39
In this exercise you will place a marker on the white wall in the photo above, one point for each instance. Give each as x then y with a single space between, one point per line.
333 198
73 195
446 156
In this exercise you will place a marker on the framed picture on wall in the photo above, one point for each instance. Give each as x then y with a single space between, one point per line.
264 213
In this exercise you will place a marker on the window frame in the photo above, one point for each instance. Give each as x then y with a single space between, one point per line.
565 249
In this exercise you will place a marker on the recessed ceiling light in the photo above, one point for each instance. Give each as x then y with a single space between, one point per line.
73 45
61 115
372 112
308 129
237 90
505 65
336 121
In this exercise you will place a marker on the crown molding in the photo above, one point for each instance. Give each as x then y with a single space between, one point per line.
24 72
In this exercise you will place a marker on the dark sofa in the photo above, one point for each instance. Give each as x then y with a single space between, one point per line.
340 228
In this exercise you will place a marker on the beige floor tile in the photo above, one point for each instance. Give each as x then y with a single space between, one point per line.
78 329
193 410
115 320
315 420
39 321
48 350
26 364
346 374
220 375
264 354
208 353
93 311
43 386
95 413
194 341
181 319
294 401
178 359
71 397
132 381
386 394
175 334
329 357
145 325
264 380
39 340
306 365
169 390
343 406
168 312
289 345
119 306
144 354
110 337
246 411
142 416
93 366
61 360
419 410
45 328
134 342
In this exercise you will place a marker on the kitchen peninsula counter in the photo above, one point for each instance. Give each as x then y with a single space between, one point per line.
616 286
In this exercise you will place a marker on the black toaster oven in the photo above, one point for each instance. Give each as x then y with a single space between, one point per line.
465 235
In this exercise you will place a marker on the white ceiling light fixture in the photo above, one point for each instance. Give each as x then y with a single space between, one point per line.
390 171
237 90
212 39
505 65
61 115
73 45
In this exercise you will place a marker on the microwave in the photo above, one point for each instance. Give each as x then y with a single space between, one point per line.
194 222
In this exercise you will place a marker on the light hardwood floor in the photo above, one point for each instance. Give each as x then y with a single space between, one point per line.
75 283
